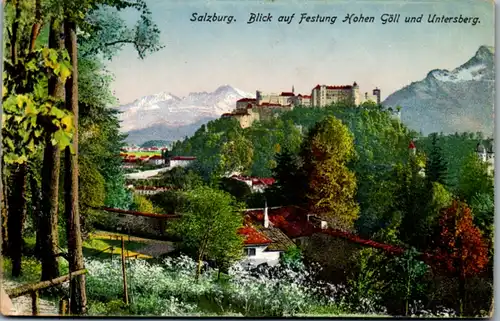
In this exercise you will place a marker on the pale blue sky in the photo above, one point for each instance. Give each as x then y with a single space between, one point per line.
272 56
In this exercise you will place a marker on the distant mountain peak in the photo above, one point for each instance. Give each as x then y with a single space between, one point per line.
167 109
450 101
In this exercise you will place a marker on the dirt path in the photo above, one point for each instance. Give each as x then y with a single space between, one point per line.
22 305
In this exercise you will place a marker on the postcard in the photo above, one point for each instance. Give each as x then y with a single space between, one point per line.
232 158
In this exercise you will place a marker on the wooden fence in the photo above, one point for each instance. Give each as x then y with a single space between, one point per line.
33 290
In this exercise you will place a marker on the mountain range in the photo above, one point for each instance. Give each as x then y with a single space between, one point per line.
451 101
169 117
445 101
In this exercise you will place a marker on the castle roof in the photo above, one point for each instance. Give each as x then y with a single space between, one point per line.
412 145
480 148
334 87
287 94
246 100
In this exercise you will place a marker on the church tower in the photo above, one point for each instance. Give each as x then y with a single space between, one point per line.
293 89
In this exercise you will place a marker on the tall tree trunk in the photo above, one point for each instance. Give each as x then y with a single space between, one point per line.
3 195
36 201
35 29
47 230
78 302
17 216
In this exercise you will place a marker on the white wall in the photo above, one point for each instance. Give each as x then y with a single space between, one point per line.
271 258
180 163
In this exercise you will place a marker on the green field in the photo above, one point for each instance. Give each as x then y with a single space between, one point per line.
139 154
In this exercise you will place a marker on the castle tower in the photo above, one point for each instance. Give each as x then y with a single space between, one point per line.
481 152
293 89
355 93
376 93
412 149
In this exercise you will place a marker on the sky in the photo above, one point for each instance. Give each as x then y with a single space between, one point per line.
274 56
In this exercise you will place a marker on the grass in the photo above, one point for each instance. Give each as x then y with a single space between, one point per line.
101 249
137 154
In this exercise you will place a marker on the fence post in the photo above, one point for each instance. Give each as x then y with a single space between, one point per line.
63 303
34 302
125 290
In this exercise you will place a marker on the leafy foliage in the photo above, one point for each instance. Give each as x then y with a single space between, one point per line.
332 186
459 246
407 274
436 170
209 226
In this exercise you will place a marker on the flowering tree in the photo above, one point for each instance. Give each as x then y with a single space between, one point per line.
458 247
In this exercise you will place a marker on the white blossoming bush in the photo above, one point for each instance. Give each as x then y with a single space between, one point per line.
170 289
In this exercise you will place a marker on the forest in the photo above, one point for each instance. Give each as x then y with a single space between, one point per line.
350 165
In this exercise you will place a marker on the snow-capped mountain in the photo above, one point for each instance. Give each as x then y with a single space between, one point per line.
165 110
451 101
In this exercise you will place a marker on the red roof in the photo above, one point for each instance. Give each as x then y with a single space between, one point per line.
252 236
304 96
186 158
227 115
156 157
412 145
287 94
255 180
144 157
246 100
153 148
291 220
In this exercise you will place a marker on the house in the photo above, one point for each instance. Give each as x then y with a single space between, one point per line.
129 162
264 243
296 223
256 184
156 160
180 161
487 154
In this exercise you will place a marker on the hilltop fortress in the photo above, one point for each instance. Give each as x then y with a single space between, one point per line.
263 106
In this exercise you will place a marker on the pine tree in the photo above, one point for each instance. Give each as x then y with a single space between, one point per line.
290 183
437 167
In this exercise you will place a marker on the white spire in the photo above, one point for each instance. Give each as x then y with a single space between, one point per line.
266 217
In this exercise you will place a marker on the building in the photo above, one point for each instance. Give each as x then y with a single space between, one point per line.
180 161
264 243
303 100
296 223
156 160
265 105
487 154
324 95
256 184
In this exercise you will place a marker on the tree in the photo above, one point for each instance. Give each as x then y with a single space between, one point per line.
458 247
406 274
332 186
236 155
47 231
142 204
238 189
474 178
436 170
291 183
209 226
